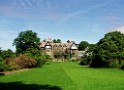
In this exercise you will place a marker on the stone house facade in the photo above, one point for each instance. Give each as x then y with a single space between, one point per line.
60 51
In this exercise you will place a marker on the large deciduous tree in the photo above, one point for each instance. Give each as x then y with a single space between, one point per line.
108 48
83 45
26 40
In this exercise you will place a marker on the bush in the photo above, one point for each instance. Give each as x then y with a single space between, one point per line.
12 64
7 54
41 60
98 64
84 61
122 65
39 57
2 64
114 64
25 61
73 60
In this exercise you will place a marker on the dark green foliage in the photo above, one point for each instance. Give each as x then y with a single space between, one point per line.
2 64
7 54
87 57
4 56
68 41
25 40
32 52
98 61
108 48
27 43
83 45
122 66
57 41
42 59
113 64
37 54
84 61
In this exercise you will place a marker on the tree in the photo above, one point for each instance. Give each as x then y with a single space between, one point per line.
7 54
108 48
87 57
26 40
56 40
44 40
27 43
83 45
68 41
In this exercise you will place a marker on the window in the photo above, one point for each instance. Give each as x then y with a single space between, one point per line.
48 47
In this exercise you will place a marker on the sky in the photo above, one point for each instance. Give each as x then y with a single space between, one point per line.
74 20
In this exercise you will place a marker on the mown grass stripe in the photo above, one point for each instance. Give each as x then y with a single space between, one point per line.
70 76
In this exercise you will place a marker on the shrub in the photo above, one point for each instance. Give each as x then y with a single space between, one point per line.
2 64
114 64
41 60
48 57
25 61
39 57
84 61
122 65
73 60
7 54
12 64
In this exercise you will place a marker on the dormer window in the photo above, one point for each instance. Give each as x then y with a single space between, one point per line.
48 47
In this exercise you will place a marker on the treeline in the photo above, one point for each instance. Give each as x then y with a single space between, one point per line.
27 55
108 52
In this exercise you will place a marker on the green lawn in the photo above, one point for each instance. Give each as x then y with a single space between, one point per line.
64 76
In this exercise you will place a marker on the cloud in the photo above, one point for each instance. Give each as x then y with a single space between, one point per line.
96 28
42 9
69 16
45 35
27 9
83 11
102 4
111 18
120 28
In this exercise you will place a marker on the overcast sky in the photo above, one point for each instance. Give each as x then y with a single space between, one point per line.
77 20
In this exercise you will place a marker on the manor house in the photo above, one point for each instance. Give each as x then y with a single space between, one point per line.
60 51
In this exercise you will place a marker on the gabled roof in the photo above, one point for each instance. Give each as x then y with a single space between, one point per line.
42 45
63 45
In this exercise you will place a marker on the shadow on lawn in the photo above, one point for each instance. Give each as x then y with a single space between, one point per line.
23 86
